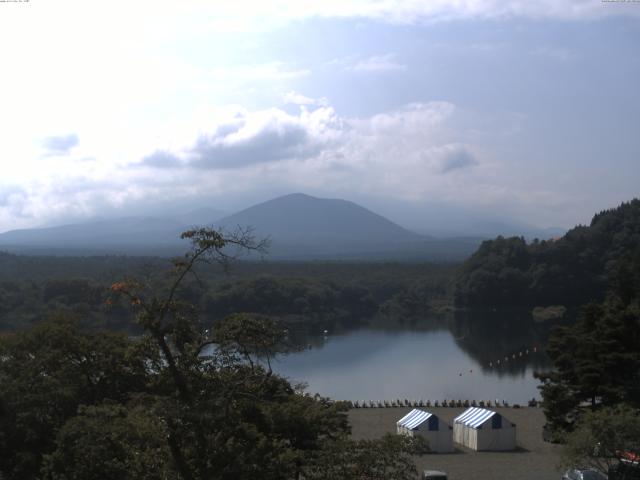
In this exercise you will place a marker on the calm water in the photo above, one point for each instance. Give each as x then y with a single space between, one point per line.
458 361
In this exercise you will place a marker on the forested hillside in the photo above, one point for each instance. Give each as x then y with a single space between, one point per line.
571 270
314 295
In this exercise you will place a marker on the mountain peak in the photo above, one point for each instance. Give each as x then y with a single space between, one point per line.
303 219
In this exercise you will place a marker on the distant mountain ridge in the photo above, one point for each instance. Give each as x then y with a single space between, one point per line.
127 230
300 227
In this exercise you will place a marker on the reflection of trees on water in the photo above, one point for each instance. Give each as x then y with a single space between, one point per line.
305 336
486 336
491 336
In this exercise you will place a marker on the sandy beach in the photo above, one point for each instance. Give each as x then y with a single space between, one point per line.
533 459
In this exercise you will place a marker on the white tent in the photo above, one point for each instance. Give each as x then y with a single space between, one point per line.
438 434
481 429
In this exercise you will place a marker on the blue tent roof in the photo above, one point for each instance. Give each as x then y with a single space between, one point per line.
474 417
414 418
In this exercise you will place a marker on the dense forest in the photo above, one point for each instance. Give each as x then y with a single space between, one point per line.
570 271
76 404
311 295
596 360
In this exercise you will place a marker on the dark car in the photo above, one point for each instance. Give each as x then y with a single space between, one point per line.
627 469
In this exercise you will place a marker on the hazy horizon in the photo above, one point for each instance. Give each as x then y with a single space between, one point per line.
450 223
438 116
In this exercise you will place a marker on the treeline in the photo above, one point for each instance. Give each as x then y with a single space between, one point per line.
571 271
597 359
85 405
314 295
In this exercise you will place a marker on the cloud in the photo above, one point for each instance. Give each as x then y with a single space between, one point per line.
420 152
408 153
253 15
245 138
60 145
414 136
400 11
295 98
378 63
271 71
10 194
447 158
162 159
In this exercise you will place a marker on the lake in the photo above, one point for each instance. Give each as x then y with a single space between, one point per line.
465 357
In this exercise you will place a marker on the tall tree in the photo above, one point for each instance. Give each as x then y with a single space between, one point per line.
46 374
183 401
597 360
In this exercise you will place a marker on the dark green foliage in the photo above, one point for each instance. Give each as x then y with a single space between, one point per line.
386 458
46 374
294 298
601 439
311 295
77 405
597 360
117 443
571 271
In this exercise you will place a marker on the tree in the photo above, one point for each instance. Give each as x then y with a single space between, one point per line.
380 459
597 360
572 270
118 443
251 337
207 407
602 438
46 374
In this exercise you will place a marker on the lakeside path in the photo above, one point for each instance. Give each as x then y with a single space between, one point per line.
534 458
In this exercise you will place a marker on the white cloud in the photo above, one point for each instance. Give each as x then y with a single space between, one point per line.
243 138
378 63
252 15
404 153
295 98
419 153
257 72
255 15
60 144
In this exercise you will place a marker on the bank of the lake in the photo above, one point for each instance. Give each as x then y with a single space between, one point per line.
533 460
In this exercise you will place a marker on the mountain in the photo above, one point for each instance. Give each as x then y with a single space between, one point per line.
310 220
300 227
199 216
120 235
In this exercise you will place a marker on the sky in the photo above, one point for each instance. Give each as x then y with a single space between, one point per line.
437 113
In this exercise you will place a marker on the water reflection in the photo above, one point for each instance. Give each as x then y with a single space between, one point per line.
502 343
438 358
